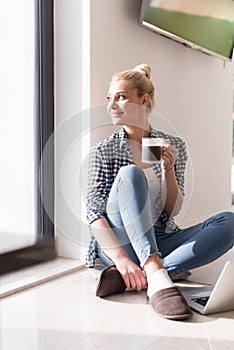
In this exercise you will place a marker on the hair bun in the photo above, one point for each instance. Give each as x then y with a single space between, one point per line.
144 69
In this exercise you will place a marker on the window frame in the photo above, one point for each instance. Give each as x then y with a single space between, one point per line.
44 247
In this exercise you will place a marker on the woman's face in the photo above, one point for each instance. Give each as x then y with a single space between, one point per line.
124 106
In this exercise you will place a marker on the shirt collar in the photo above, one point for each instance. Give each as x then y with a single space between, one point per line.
121 134
153 132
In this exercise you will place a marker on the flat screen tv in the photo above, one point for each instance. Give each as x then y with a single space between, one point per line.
205 25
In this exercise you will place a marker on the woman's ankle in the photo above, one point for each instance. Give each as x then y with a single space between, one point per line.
157 281
153 264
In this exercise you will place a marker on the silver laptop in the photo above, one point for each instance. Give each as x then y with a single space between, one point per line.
213 298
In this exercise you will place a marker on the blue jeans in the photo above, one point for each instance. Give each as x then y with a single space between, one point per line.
129 215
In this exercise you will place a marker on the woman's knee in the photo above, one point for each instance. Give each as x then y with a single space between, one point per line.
228 220
131 173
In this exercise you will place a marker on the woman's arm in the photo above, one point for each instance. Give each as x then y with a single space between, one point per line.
172 197
132 274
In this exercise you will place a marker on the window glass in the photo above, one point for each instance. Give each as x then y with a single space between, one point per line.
233 153
17 142
233 144
232 185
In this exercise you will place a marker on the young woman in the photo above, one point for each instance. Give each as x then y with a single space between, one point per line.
131 205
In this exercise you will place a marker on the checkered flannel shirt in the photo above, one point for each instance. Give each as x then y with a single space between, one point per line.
105 160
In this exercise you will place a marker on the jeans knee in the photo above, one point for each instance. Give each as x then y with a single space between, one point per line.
132 173
229 229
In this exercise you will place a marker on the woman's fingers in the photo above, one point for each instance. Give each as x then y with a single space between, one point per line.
132 274
135 280
169 155
171 150
143 281
168 160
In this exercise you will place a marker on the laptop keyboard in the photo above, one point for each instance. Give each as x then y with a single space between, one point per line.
202 301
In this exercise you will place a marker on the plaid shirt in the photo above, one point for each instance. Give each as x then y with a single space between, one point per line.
105 160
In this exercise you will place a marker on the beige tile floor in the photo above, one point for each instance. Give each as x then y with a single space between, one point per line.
64 314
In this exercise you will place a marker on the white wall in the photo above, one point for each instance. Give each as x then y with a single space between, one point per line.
72 124
194 93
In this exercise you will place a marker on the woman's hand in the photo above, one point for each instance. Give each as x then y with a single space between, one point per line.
169 154
132 274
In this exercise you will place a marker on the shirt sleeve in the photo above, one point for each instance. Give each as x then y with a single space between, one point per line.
180 165
96 192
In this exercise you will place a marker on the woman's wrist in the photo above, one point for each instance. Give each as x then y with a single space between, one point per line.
168 170
117 254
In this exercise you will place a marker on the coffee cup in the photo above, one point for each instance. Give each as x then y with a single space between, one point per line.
152 150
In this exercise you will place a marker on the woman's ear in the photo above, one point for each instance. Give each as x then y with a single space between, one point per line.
145 100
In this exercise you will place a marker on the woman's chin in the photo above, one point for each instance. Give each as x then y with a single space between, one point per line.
117 121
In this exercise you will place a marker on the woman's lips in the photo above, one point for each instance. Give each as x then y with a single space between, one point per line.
116 114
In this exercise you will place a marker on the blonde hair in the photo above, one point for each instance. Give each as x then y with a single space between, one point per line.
139 78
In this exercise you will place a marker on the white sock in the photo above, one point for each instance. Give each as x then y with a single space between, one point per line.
157 281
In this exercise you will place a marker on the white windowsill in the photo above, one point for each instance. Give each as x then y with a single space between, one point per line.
23 279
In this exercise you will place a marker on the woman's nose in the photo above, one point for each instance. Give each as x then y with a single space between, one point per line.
112 104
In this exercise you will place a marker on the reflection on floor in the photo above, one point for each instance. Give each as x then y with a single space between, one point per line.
64 314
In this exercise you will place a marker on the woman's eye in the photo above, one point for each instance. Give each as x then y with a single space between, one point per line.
117 98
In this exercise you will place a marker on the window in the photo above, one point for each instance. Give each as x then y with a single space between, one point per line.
27 102
233 146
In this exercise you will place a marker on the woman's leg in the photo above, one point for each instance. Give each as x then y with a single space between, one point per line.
198 245
129 215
